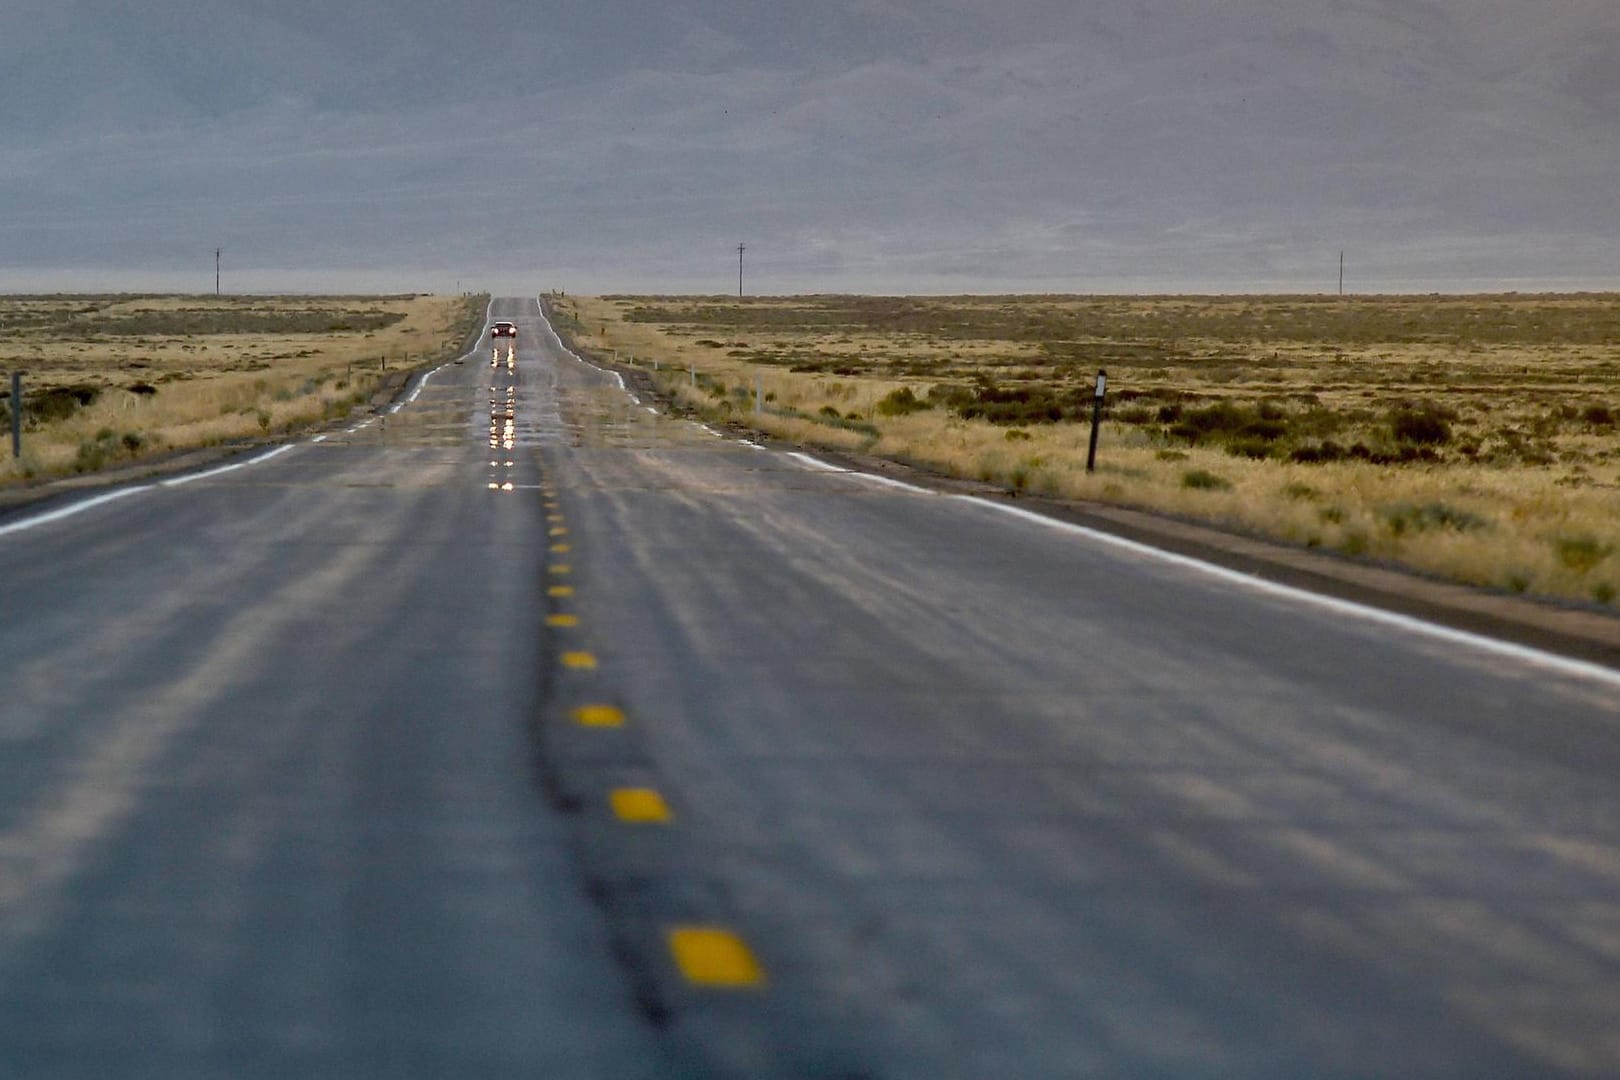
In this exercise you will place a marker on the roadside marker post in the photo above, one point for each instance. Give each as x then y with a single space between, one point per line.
759 395
16 415
1096 419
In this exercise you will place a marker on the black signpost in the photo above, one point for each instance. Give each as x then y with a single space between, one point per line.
16 415
1096 419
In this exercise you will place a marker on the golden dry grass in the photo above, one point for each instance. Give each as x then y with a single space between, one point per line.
1474 438
173 372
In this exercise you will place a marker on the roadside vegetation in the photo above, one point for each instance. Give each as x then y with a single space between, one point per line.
111 379
1475 438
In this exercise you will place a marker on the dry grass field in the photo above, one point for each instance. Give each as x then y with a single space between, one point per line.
1474 438
115 378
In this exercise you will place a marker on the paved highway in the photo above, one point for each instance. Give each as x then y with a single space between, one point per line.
526 731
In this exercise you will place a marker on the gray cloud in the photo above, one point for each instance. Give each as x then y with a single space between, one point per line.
856 145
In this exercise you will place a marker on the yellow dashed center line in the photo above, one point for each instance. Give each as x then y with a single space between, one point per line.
559 549
560 569
639 806
562 620
714 957
598 715
579 661
558 530
560 590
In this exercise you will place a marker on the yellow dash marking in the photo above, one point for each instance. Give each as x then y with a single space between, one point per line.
579 661
598 716
560 590
560 549
559 531
711 956
560 569
562 620
639 806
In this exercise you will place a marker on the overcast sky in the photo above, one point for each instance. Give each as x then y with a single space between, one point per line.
854 145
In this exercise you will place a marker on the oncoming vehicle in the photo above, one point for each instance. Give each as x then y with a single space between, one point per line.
503 329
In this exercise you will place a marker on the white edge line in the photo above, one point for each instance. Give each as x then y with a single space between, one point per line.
899 485
566 351
815 463
268 454
177 481
69 511
1523 653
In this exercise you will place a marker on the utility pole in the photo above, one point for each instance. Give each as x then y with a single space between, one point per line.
740 249
1341 273
216 271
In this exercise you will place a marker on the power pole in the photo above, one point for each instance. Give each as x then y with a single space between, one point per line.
740 249
216 271
1341 273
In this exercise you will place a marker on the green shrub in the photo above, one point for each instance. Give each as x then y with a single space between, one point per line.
901 402
1221 418
1422 424
1018 405
91 456
1249 446
1582 553
1403 518
1203 480
58 403
1319 453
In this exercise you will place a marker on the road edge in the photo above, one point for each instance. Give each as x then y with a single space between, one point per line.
16 501
1567 628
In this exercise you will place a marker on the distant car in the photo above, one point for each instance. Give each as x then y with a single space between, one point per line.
503 329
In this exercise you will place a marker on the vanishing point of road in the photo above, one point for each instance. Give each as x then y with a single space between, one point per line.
525 730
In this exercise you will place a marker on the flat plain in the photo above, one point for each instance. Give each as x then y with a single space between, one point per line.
1470 437
112 379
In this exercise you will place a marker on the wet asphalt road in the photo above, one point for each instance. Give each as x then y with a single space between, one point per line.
599 745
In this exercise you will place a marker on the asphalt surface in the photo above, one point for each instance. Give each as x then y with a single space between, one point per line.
602 745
